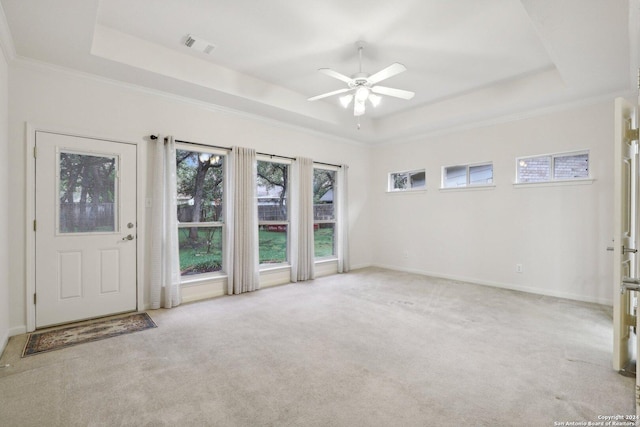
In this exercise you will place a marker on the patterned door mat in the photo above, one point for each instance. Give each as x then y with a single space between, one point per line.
40 342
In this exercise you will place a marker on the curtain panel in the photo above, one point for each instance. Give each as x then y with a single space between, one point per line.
342 234
302 237
165 263
241 252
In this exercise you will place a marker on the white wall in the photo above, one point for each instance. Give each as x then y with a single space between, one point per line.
4 202
558 233
47 97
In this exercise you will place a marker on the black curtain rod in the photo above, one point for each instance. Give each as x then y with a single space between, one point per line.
154 137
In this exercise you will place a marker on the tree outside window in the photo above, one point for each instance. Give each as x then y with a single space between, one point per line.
200 178
273 211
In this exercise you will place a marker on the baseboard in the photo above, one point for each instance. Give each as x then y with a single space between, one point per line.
4 340
475 281
361 266
17 330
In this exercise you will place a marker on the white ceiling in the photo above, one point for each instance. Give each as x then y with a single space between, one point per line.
469 61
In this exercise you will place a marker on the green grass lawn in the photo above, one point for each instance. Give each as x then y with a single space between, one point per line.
204 254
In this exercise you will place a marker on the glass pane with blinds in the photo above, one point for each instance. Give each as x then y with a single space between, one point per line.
199 183
574 166
87 193
534 169
481 174
455 176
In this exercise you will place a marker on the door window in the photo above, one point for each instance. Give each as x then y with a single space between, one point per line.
87 193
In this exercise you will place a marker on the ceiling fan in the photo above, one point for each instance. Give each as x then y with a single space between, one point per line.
364 86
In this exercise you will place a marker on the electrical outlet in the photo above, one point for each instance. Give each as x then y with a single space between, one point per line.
519 268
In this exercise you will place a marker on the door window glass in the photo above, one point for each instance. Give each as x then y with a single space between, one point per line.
87 192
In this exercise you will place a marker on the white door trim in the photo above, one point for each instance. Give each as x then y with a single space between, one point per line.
30 242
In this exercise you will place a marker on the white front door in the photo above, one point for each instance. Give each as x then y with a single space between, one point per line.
85 228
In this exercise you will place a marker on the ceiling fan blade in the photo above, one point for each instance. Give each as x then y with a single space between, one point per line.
398 93
336 75
325 95
390 71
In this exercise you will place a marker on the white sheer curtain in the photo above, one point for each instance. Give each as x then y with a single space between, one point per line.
165 263
242 222
301 233
342 233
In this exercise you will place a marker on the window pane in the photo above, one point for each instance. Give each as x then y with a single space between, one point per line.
324 240
455 176
272 191
87 193
399 181
200 249
571 167
534 169
481 174
323 194
272 240
199 185
417 179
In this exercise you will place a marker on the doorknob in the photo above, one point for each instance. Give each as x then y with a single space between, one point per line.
129 237
628 250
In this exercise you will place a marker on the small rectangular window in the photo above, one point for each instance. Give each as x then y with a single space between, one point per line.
467 175
406 181
552 167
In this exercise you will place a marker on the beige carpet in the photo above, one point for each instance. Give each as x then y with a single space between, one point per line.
368 348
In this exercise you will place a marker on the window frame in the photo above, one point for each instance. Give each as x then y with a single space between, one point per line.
468 183
334 221
391 189
552 162
289 163
191 278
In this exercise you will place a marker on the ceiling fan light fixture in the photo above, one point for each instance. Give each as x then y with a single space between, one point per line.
358 107
375 99
362 93
346 100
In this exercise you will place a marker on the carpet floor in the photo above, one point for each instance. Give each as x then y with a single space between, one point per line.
368 348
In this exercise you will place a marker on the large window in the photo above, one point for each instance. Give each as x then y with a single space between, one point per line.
467 175
273 211
200 180
324 212
553 167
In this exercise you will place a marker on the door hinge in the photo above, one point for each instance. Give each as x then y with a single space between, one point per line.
631 134
34 298
34 225
35 152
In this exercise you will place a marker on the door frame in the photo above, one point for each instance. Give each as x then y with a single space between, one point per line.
30 194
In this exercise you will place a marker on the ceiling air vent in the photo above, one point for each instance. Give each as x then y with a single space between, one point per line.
195 42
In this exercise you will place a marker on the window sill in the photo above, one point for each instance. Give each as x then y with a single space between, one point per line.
325 260
468 188
418 190
268 268
201 278
585 181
